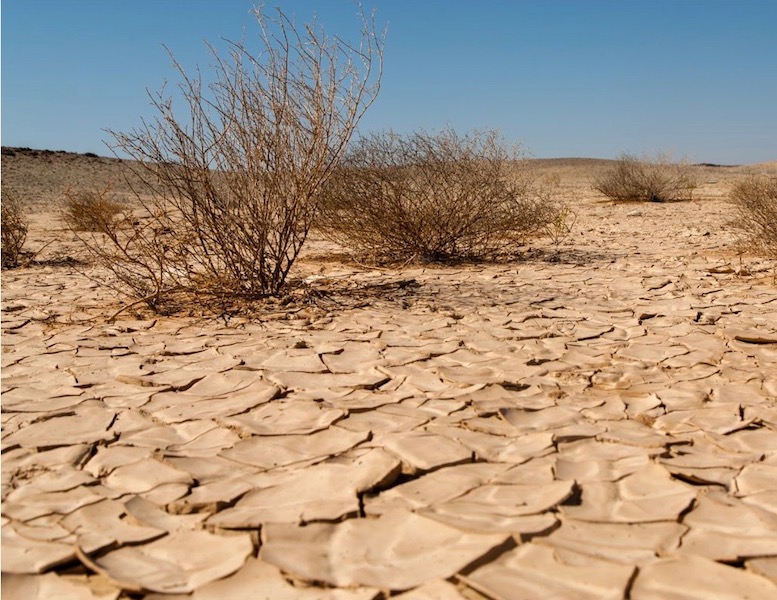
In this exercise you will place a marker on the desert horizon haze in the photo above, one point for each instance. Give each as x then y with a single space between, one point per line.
565 78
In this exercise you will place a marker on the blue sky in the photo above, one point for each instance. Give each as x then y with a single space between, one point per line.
590 78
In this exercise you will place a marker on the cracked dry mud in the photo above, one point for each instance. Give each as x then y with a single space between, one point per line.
601 426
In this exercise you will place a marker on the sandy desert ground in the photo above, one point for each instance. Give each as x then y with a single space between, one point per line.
595 421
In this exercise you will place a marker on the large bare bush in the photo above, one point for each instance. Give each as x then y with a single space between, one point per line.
14 229
230 182
656 178
432 197
755 199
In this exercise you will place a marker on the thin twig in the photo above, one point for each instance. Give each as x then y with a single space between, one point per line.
38 251
138 301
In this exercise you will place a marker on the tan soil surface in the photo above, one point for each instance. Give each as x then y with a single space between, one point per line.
598 420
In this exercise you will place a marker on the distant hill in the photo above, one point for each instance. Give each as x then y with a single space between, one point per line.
771 165
40 177
572 162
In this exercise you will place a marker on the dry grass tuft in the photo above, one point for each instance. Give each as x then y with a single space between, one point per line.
755 199
14 229
89 210
649 179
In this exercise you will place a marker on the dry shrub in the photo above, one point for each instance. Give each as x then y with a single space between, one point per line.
89 210
755 199
432 197
14 229
234 177
656 178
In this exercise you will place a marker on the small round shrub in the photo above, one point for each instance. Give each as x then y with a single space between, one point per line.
755 199
648 179
89 210
431 197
